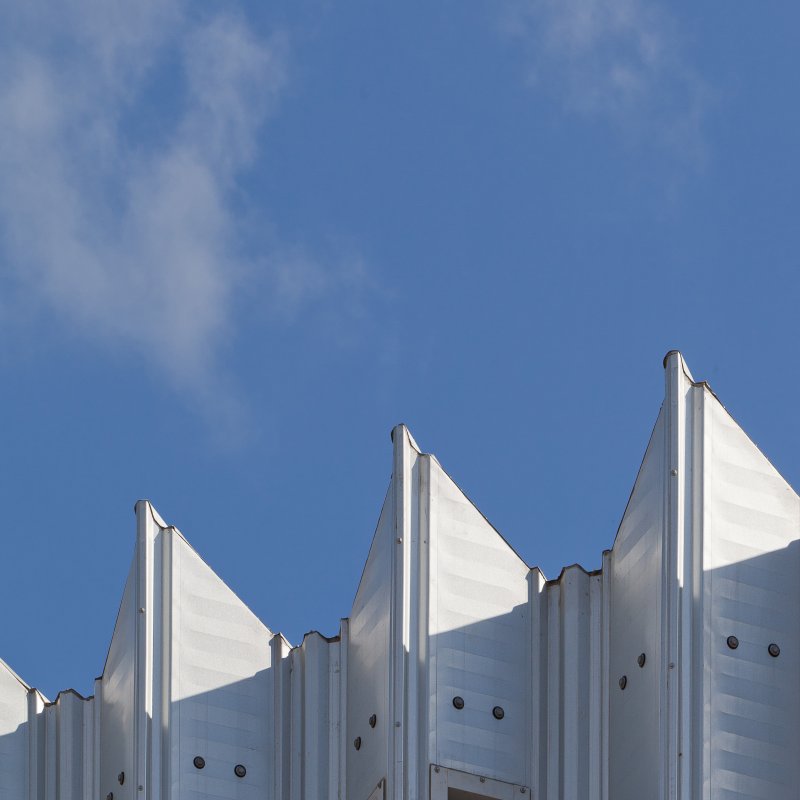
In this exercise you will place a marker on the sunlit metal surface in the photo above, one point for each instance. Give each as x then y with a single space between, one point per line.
671 673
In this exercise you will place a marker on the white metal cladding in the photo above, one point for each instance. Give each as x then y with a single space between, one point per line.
751 591
13 734
478 638
635 629
617 684
368 662
118 698
220 699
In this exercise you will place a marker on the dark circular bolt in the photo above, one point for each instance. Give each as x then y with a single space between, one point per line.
357 743
774 650
240 771
641 659
121 778
733 642
498 713
458 702
199 762
623 682
373 721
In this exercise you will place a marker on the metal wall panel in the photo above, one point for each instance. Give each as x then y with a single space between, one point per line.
337 789
575 701
637 584
567 706
316 733
296 691
368 664
221 703
537 746
552 768
13 734
281 709
409 701
50 752
36 745
479 646
119 702
316 723
73 746
752 591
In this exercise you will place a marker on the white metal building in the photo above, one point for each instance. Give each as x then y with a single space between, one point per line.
462 673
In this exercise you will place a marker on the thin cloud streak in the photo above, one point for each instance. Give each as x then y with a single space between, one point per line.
622 61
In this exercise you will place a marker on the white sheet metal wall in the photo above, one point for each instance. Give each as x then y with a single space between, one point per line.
220 698
478 638
568 686
369 662
118 697
636 625
13 734
613 685
751 590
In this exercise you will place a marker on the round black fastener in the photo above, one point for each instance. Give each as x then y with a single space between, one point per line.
733 642
498 713
774 650
623 682
121 778
458 702
373 721
199 762
641 659
240 771
357 743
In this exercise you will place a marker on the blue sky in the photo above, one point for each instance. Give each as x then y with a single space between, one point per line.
237 246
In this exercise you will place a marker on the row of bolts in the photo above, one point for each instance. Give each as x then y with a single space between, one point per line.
732 641
240 770
458 702
199 762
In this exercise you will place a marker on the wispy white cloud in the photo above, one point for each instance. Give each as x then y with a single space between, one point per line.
124 129
623 61
299 279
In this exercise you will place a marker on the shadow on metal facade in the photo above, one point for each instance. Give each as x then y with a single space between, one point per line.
461 673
